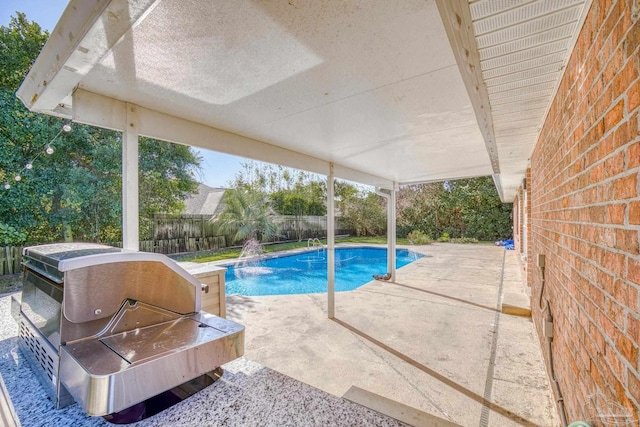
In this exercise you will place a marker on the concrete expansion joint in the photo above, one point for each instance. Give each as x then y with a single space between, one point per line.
383 356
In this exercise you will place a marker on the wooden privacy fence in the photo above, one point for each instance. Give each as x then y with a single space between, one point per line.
176 246
307 226
188 226
10 259
182 226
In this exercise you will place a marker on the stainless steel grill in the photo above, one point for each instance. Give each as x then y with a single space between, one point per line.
111 328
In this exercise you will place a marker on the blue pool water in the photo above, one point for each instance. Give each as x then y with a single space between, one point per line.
305 273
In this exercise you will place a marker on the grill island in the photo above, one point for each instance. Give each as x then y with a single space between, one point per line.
111 328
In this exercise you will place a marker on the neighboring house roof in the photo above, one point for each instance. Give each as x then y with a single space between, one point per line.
206 201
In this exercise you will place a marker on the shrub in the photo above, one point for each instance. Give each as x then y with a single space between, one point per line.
417 237
444 237
9 236
465 240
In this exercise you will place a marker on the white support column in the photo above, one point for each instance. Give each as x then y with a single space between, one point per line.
331 237
130 230
391 232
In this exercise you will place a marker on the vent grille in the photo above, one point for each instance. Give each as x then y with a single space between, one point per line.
530 27
41 353
561 33
509 17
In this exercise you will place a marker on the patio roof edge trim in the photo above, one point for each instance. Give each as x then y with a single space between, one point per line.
102 111
431 181
78 42
456 18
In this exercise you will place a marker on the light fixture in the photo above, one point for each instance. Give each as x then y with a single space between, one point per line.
48 149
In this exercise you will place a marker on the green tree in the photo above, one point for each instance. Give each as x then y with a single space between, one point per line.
246 215
461 208
75 191
361 210
20 44
291 192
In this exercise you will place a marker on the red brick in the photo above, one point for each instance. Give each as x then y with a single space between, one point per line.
634 213
633 96
633 383
614 262
614 165
608 327
633 328
626 76
627 240
633 271
633 41
596 214
624 134
614 64
615 214
627 349
625 188
613 116
613 359
633 155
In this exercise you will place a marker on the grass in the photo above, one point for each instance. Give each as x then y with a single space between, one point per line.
231 253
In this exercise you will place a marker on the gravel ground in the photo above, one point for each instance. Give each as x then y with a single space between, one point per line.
10 284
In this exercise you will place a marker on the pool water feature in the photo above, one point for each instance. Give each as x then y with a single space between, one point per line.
306 272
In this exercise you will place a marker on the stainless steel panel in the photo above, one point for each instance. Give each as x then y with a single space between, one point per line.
96 358
44 360
45 258
41 304
102 384
154 341
135 314
53 253
96 292
216 322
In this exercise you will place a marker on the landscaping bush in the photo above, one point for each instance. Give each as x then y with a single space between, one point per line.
465 240
9 236
417 237
444 238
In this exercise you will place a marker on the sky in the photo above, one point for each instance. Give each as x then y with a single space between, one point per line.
217 169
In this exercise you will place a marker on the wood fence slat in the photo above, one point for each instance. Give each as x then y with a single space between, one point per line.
10 260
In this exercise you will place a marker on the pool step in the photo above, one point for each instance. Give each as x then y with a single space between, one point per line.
393 409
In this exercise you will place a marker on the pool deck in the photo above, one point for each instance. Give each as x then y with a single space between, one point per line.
435 341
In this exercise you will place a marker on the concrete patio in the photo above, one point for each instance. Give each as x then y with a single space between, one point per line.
431 349
434 340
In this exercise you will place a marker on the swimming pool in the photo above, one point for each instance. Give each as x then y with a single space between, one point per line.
306 272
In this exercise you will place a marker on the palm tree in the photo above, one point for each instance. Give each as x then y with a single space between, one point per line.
247 215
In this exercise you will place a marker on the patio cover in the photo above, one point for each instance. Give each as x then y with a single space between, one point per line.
389 92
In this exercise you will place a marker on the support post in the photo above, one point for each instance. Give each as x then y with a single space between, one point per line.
331 236
391 232
130 229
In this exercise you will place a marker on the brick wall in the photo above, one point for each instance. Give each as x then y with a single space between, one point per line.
585 215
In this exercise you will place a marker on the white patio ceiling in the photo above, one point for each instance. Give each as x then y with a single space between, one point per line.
391 92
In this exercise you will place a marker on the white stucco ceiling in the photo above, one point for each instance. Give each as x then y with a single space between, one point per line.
378 87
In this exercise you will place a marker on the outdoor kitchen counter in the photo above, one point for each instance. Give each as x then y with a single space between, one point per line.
247 395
